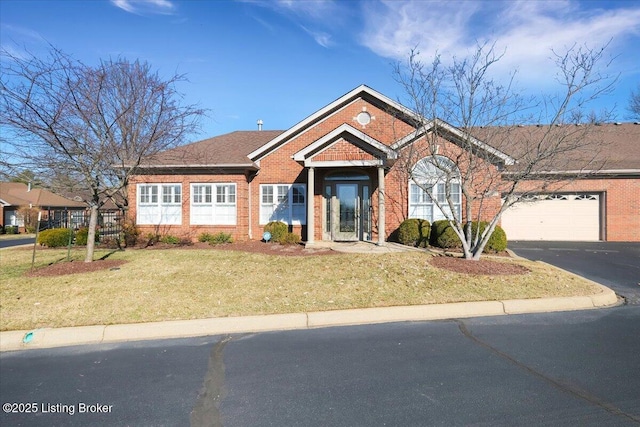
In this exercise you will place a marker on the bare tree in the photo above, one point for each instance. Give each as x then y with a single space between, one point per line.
492 154
634 104
91 122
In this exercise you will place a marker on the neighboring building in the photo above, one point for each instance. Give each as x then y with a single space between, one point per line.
335 176
18 200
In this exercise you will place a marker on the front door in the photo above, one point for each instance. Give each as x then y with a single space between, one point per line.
345 212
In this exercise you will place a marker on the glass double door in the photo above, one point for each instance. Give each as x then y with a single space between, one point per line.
348 212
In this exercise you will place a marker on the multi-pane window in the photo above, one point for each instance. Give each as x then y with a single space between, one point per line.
283 202
226 194
155 210
432 177
171 194
209 210
148 193
201 193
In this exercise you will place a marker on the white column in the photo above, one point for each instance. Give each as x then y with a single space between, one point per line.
310 205
382 231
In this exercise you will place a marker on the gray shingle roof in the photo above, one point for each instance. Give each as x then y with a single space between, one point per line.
227 150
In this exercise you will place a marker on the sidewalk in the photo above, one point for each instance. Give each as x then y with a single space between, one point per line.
102 334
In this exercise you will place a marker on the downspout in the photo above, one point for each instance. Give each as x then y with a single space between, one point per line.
250 215
250 178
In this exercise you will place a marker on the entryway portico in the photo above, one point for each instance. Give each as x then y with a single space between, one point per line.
352 168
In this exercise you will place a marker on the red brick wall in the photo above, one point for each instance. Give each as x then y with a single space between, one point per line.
239 231
343 150
622 208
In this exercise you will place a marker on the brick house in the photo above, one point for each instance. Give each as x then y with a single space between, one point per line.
335 176
18 200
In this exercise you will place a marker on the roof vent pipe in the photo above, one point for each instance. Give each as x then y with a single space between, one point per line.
259 124
28 186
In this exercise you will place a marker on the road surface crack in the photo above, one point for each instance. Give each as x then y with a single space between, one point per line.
567 388
206 411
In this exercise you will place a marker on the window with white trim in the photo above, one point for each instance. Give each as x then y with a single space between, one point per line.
283 202
432 177
155 210
207 209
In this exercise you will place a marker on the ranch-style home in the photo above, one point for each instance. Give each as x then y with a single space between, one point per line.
335 176
18 201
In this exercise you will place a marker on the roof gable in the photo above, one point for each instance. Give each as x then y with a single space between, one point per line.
380 152
361 91
454 135
386 103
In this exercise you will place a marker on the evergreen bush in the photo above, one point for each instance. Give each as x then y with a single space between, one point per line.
497 241
414 232
220 238
443 236
55 237
169 239
289 239
82 236
277 229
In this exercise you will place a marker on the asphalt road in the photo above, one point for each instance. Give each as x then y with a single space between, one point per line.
566 369
613 264
9 243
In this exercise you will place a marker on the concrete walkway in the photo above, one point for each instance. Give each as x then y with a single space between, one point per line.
362 247
102 334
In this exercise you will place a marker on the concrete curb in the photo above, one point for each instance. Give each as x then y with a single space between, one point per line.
81 335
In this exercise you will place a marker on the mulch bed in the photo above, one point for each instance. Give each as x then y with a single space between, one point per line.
75 267
482 266
458 265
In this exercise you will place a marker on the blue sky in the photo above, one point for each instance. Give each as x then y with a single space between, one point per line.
280 61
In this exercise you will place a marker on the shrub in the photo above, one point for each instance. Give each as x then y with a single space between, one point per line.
289 239
443 236
82 236
220 238
109 243
277 229
168 239
414 232
447 238
130 233
205 237
11 229
497 241
55 237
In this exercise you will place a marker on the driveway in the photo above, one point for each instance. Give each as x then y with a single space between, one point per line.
613 264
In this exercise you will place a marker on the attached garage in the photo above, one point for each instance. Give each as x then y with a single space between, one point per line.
571 217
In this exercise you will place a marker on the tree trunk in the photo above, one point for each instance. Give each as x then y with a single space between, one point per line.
91 238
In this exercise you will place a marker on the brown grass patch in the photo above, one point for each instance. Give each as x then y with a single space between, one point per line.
190 283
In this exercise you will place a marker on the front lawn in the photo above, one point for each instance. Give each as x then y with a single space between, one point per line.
171 284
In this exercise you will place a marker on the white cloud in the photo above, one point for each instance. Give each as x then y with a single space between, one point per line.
164 7
308 15
322 38
526 30
315 9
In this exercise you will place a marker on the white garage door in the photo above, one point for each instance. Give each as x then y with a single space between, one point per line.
554 217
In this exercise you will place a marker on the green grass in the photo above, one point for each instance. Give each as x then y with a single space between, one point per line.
156 285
